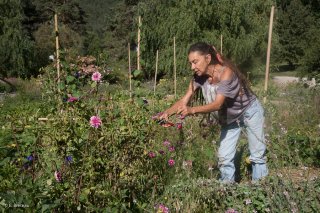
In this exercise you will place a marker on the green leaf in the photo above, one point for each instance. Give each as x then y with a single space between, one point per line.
61 85
94 84
70 78
136 73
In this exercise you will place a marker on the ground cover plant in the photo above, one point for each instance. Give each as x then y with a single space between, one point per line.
85 146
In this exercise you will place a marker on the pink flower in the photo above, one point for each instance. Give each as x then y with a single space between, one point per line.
171 162
162 208
72 99
96 76
179 125
95 121
57 176
166 143
231 211
171 149
152 154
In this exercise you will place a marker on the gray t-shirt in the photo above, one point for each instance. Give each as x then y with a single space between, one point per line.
235 103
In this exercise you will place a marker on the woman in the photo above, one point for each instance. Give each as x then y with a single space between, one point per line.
236 104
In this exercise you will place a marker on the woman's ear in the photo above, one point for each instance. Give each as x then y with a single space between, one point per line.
208 58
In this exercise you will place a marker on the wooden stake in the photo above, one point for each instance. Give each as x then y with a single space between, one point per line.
138 48
174 67
155 75
221 44
57 47
129 70
268 55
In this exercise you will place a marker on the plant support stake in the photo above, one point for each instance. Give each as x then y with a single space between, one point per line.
268 56
155 75
129 71
57 48
138 48
174 67
221 39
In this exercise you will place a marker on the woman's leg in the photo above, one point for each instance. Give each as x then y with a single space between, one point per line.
254 124
227 150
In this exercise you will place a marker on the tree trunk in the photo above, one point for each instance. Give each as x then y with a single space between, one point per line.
12 87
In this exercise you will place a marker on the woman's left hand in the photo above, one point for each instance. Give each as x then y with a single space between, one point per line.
185 110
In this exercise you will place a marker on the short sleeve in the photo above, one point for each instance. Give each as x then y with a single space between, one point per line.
229 88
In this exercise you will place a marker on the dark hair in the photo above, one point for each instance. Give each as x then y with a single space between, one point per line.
204 49
216 58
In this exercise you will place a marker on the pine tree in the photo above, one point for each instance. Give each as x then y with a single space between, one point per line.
14 45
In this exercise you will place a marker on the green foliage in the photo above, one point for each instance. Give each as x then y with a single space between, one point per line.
16 48
243 25
297 35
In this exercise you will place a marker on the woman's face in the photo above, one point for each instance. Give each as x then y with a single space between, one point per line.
199 62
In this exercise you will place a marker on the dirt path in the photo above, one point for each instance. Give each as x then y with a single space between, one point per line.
283 80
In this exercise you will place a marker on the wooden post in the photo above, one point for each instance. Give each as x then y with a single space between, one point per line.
221 44
129 70
57 47
174 67
155 75
138 48
268 55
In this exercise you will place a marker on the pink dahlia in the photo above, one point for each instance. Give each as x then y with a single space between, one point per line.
152 154
96 76
171 162
171 149
166 143
95 121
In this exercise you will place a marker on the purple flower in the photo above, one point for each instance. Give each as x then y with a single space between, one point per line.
95 121
77 74
58 176
160 208
72 99
171 162
69 159
30 158
161 152
96 76
171 149
166 143
152 154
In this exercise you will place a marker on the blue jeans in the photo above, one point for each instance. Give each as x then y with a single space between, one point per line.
253 122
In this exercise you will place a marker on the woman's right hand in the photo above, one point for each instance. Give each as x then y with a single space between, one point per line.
164 116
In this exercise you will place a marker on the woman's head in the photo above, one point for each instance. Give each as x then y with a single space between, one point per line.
200 56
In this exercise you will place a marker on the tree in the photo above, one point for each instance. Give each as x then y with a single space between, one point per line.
292 27
243 24
15 46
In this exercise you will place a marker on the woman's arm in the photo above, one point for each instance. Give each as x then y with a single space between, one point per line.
182 102
214 106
